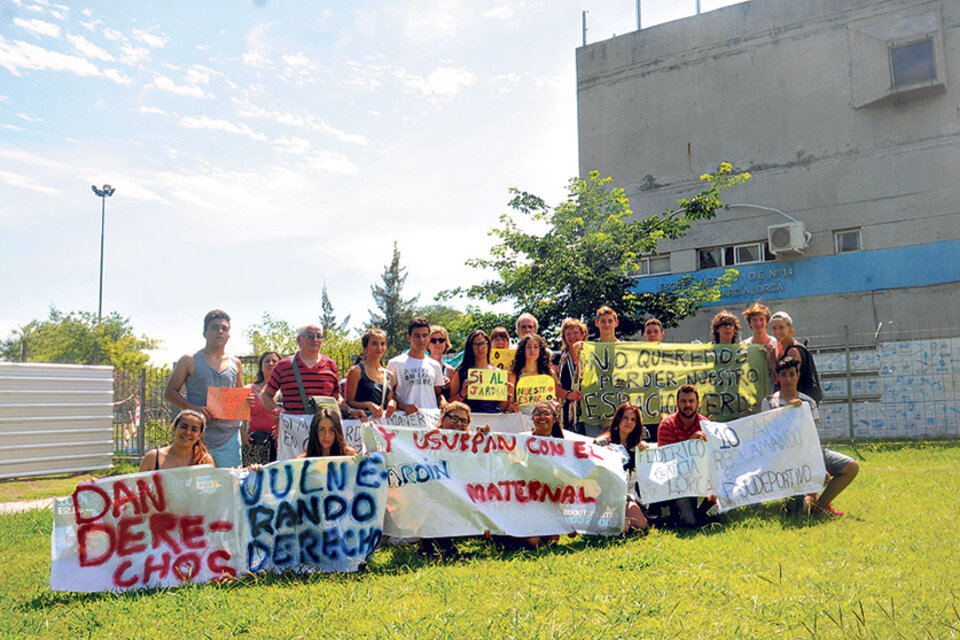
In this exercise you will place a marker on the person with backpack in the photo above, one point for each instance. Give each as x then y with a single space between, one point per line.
781 324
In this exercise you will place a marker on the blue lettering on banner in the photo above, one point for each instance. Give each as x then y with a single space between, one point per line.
314 514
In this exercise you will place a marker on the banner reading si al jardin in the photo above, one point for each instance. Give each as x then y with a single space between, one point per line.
458 483
732 379
197 524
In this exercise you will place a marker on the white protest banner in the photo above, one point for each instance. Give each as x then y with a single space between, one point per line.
455 483
767 456
422 418
292 433
673 471
197 524
503 422
144 530
313 514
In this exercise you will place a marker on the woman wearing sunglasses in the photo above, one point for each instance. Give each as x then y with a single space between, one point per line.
439 344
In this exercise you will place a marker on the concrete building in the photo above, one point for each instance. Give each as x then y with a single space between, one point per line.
847 114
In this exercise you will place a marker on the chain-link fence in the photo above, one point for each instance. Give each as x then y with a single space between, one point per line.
895 380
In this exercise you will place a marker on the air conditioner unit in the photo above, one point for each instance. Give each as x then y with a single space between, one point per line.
787 238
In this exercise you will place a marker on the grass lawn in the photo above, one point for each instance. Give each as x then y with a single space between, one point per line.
890 568
61 484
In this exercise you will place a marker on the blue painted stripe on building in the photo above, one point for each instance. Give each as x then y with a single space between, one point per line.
898 268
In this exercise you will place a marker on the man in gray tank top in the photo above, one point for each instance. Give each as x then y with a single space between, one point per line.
211 367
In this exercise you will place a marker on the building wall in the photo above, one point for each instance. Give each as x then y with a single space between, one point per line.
797 92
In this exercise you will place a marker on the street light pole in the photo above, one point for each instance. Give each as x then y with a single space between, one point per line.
103 194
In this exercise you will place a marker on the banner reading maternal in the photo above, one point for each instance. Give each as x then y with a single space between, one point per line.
732 379
197 524
458 483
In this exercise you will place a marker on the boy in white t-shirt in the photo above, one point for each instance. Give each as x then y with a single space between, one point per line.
842 469
419 377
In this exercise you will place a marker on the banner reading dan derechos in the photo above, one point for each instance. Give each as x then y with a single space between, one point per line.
732 379
455 483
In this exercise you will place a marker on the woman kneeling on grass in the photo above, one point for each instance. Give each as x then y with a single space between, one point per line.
187 447
326 437
625 432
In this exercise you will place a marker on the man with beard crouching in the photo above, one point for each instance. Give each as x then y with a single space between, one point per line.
684 424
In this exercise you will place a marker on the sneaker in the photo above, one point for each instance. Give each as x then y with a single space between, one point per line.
829 511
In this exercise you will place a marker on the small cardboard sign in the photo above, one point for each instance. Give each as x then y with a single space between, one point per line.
502 358
486 384
533 389
229 403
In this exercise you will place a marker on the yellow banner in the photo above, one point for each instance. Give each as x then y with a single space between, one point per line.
533 389
503 358
486 384
732 379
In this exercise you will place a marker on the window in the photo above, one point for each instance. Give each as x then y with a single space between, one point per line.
847 240
733 255
652 266
912 64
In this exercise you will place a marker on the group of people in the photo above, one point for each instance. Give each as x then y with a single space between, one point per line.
308 382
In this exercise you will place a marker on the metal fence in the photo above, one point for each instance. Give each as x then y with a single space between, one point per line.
890 381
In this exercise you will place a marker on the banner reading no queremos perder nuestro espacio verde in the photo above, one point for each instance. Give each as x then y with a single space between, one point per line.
732 379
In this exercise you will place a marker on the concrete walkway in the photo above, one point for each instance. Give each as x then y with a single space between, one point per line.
26 505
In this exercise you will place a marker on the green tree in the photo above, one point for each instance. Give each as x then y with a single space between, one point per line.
591 248
395 311
272 334
328 319
72 338
459 324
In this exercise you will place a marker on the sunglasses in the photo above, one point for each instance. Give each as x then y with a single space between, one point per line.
313 336
542 413
437 340
456 419
477 345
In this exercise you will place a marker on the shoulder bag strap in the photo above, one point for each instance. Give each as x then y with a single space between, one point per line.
296 374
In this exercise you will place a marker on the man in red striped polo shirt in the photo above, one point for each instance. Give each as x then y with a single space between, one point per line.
318 372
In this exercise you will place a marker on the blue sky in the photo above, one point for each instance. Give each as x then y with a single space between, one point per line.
261 148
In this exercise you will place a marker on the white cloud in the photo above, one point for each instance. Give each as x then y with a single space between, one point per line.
34 7
90 25
132 55
213 124
39 27
86 12
3 98
441 85
150 39
12 127
59 15
112 34
294 146
166 84
199 74
17 180
155 110
87 49
298 59
427 21
18 55
117 76
255 59
305 122
505 9
24 116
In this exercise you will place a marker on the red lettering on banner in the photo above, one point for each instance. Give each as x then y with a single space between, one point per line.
118 579
76 502
585 450
150 567
191 532
388 436
122 496
521 492
161 524
158 499
220 525
84 532
127 540
187 566
217 562
584 498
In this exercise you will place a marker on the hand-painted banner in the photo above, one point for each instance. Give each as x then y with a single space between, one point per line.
144 530
486 384
197 524
732 379
422 419
674 471
764 457
502 422
229 403
772 455
292 433
313 514
533 389
502 358
454 483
